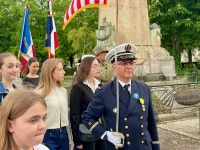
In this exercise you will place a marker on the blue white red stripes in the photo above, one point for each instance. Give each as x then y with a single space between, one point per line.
51 41
26 47
78 5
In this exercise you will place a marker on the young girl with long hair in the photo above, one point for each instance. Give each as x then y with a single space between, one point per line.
50 87
82 92
22 115
31 70
9 69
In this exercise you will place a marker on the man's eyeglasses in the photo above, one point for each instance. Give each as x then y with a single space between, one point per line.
124 63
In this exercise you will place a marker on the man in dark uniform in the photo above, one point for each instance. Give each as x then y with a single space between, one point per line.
106 75
136 117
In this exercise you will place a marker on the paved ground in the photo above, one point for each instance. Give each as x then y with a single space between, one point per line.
180 134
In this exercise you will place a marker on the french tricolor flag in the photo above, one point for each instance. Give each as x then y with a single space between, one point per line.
26 47
51 40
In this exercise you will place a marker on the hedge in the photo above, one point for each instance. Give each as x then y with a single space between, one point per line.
70 71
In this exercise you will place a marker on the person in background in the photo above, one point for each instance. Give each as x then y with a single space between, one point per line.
18 81
31 70
137 125
106 70
82 92
22 115
9 69
50 87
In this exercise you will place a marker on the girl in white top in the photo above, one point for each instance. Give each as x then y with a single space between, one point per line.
50 87
23 114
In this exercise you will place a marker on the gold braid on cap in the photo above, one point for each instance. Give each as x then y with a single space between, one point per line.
128 47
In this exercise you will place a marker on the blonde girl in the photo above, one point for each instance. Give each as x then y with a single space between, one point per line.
51 89
22 115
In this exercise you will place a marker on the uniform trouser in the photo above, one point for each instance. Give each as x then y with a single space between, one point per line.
56 139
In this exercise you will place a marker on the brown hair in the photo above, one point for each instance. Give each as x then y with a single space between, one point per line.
46 80
30 61
2 57
84 70
14 105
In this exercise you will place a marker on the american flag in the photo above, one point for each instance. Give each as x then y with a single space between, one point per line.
51 40
26 47
77 6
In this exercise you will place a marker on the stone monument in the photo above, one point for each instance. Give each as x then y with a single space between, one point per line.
132 26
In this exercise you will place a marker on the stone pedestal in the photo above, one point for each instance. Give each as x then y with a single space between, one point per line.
132 26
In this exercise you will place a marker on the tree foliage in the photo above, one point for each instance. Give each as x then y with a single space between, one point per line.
84 25
180 24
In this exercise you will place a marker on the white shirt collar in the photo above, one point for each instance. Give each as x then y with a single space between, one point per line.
96 83
122 84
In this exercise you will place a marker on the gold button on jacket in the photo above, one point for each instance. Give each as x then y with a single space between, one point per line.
126 127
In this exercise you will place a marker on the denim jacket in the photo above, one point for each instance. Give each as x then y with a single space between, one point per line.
3 91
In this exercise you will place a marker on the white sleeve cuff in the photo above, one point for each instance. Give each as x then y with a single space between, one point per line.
103 135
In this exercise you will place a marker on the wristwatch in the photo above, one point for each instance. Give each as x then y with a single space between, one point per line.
105 137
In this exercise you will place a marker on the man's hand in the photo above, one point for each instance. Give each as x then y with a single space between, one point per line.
116 140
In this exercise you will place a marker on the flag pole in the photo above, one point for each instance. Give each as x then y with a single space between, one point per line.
117 33
22 31
117 133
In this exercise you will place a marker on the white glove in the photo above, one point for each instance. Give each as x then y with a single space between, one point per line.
116 140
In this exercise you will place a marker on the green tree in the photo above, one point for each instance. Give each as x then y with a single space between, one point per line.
180 24
84 24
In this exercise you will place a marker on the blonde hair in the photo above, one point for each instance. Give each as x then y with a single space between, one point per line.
2 57
46 80
14 105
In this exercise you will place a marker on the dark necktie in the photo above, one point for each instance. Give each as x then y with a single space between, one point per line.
126 88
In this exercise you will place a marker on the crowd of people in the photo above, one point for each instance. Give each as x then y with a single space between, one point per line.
38 113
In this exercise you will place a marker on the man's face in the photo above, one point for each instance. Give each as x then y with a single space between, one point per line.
101 56
125 69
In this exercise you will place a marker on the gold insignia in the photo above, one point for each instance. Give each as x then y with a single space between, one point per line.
93 126
46 37
128 47
115 110
155 142
90 123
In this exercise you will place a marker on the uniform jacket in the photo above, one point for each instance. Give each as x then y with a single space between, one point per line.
138 126
106 74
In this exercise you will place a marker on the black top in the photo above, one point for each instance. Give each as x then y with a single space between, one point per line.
80 96
33 81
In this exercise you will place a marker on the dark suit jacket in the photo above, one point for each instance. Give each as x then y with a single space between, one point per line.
80 96
138 126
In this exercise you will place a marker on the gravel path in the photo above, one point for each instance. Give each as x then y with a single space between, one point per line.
180 134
